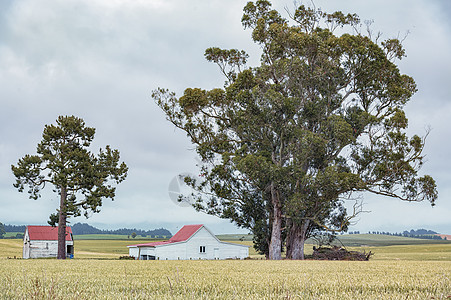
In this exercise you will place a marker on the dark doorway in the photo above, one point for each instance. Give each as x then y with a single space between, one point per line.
147 257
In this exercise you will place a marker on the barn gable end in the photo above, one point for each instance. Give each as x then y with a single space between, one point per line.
42 241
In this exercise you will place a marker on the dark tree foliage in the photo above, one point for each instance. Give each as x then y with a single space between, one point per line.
14 228
83 228
321 119
81 178
2 230
421 231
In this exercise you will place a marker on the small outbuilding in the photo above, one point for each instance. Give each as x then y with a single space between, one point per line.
42 241
190 242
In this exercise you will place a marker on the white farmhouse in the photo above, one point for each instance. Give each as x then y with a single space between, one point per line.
190 242
42 241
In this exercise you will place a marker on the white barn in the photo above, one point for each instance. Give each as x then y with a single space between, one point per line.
190 242
42 241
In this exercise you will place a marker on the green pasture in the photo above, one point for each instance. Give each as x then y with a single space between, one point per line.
113 249
235 237
11 234
101 249
354 240
383 240
425 252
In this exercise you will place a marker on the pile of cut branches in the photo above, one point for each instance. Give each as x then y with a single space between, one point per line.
339 253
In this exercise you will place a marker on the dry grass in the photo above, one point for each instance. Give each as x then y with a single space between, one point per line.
10 248
114 279
397 272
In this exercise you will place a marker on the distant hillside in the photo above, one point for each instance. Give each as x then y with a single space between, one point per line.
357 240
14 228
83 228
418 233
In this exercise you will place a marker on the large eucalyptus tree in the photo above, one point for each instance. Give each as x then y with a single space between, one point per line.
320 119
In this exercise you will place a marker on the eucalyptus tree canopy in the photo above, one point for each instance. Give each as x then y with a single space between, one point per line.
81 178
320 119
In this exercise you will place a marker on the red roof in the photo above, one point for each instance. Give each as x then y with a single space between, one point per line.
185 233
47 233
181 236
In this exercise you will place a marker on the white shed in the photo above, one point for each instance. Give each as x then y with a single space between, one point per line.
190 242
42 241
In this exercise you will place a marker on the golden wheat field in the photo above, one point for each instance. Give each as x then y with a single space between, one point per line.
395 274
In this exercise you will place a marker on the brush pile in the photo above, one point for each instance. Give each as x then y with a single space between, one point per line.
339 253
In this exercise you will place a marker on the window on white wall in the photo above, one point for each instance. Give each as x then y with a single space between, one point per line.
202 249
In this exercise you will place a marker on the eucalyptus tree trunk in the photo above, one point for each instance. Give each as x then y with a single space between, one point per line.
275 245
62 225
296 240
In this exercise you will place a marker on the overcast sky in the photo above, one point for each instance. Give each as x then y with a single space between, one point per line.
100 60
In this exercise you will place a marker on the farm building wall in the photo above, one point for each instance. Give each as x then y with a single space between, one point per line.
26 245
41 249
37 249
133 251
202 245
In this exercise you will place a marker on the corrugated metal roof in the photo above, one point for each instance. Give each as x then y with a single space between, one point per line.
47 233
185 233
182 235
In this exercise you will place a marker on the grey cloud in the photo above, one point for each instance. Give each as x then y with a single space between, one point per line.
100 60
